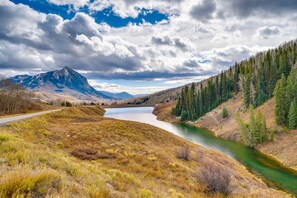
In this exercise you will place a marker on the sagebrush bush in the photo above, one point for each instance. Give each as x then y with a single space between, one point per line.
216 177
183 153
90 154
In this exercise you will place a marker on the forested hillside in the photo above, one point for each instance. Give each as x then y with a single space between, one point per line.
255 77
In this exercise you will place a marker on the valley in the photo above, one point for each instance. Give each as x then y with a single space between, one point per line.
260 164
148 99
78 153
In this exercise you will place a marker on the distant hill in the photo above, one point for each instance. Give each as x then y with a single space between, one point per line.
66 82
163 96
119 96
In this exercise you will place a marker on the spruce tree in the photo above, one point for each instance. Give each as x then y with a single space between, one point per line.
292 117
280 101
246 91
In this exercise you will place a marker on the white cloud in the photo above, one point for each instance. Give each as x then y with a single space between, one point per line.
268 31
180 47
76 3
117 88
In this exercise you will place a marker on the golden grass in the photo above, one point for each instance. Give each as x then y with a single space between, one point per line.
38 154
24 182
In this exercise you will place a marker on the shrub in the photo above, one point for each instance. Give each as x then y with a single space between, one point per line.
183 153
89 154
145 193
215 177
200 155
184 116
68 104
225 113
25 183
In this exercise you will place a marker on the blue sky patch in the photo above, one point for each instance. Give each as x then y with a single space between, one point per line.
107 15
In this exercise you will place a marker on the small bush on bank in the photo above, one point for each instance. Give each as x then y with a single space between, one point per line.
183 153
89 154
225 113
216 177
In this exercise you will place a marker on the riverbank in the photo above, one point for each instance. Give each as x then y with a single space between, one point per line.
78 153
283 148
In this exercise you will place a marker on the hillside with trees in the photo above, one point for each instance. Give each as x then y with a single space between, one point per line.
255 77
261 113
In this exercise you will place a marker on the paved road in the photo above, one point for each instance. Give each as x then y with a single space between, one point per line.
7 120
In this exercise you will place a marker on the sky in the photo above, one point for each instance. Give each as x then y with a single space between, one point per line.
139 46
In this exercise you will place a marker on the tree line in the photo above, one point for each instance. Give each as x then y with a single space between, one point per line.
14 98
256 77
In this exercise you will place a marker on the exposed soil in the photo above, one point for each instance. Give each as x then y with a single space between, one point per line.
283 148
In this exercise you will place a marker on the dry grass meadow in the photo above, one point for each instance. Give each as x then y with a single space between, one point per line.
77 152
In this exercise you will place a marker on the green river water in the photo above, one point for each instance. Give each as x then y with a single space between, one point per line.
274 173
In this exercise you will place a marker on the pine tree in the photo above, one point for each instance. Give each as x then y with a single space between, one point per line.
291 90
246 91
224 88
253 129
280 101
292 117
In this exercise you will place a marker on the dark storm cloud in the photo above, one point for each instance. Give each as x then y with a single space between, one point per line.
204 11
244 8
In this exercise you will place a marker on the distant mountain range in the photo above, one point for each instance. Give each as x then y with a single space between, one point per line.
66 81
119 96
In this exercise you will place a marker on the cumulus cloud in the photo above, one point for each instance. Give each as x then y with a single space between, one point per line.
245 8
204 11
76 3
181 43
178 48
117 88
222 58
268 31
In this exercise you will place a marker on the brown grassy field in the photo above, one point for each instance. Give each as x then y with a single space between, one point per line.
78 153
284 146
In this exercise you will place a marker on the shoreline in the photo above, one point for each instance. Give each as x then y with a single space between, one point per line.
215 133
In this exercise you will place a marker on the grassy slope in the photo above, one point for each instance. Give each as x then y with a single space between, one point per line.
284 146
133 159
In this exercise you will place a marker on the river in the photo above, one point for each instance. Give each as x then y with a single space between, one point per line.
274 173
